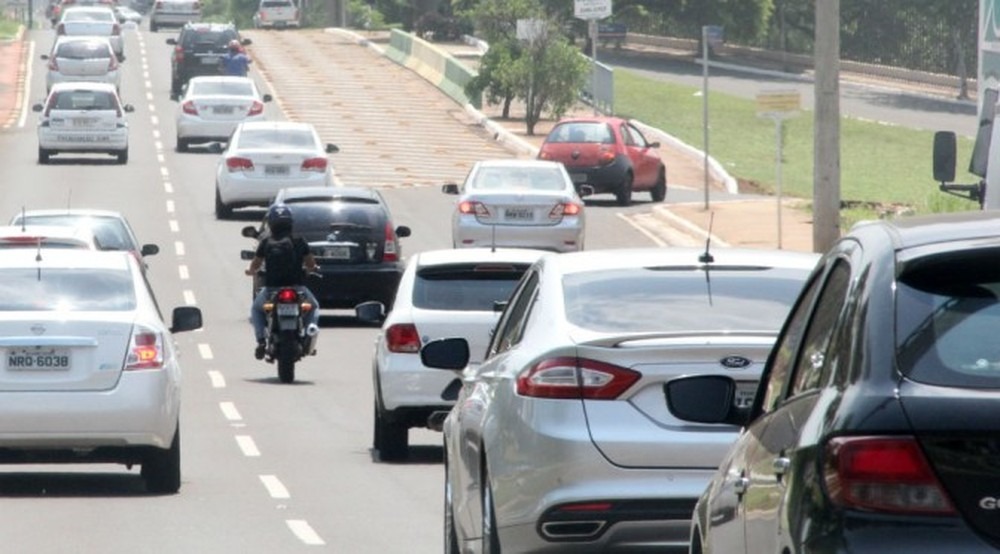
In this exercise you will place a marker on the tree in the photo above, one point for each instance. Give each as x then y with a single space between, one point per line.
555 71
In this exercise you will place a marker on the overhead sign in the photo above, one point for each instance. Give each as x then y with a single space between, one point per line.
778 102
591 9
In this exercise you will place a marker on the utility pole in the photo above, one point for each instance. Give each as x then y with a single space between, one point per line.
826 137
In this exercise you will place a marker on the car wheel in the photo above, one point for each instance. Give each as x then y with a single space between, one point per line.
659 191
182 145
695 543
43 155
161 469
175 86
222 211
450 534
122 156
391 439
152 27
491 541
624 193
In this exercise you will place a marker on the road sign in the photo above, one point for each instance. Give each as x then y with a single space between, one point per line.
714 35
591 9
778 102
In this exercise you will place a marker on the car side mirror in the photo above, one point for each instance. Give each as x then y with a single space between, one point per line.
451 353
129 108
654 144
215 147
149 250
370 312
332 148
705 399
267 98
37 108
944 156
172 41
249 232
185 318
449 188
403 231
44 56
246 42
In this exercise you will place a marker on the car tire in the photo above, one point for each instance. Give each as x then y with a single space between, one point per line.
182 145
222 211
391 439
624 193
43 155
175 86
491 541
161 469
659 191
122 157
450 533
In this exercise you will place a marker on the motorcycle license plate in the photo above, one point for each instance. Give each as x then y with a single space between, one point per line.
288 309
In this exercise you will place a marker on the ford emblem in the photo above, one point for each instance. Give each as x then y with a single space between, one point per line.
735 362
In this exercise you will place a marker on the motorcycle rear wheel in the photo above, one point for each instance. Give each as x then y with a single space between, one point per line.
286 356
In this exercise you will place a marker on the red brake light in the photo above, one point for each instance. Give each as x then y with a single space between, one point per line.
256 108
575 378
188 107
883 474
145 350
389 252
239 164
402 338
315 164
287 295
178 53
475 208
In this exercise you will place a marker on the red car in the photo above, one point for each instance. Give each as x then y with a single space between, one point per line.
607 154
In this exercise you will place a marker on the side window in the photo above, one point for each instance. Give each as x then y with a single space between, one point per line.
627 135
511 325
813 363
637 137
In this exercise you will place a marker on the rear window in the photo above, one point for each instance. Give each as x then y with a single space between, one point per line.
471 287
208 37
84 100
531 178
89 15
313 220
275 4
271 138
228 88
947 316
68 290
79 50
586 131
682 300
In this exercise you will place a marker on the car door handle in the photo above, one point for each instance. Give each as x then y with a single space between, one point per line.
740 485
780 466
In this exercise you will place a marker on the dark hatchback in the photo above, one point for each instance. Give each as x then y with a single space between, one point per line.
876 426
351 234
198 50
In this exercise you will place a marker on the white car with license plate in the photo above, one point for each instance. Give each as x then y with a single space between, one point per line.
84 118
517 203
263 157
443 293
89 372
82 58
98 21
212 106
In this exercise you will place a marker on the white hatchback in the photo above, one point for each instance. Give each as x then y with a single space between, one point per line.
212 106
263 157
88 369
82 59
82 118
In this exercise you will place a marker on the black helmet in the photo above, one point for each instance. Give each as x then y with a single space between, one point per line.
279 219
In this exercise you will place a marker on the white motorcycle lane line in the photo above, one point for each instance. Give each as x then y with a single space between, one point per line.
271 483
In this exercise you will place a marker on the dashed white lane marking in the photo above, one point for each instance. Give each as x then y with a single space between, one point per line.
167 187
189 299
230 412
217 378
205 351
247 446
164 172
154 120
156 137
304 532
160 157
178 246
182 272
274 487
170 210
174 226
149 96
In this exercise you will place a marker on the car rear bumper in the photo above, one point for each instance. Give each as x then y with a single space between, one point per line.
68 141
346 286
197 129
406 383
566 236
606 178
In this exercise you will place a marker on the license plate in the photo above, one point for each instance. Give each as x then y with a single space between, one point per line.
518 214
210 60
84 122
83 138
288 309
578 177
337 252
275 170
745 393
38 359
222 110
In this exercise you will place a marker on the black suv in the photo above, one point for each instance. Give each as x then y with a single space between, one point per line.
351 234
197 51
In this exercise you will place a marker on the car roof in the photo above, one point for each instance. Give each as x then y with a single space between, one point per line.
221 79
57 233
65 257
592 119
322 194
83 212
909 232
203 25
451 256
525 163
594 260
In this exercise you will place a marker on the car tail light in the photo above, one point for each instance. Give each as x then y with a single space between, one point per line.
565 209
295 14
189 108
883 474
256 108
239 164
390 253
543 154
116 29
112 62
263 15
145 350
317 165
178 54
61 29
402 338
575 378
474 208
605 157
53 64
50 104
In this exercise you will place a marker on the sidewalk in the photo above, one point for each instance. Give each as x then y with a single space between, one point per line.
12 75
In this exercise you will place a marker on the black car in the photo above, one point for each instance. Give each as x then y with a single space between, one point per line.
351 235
198 50
876 426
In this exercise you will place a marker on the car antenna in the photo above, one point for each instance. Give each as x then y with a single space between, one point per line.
22 219
706 257
493 238
38 260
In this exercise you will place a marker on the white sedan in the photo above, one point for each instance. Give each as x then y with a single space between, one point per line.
82 118
263 157
89 372
82 59
443 293
212 106
517 203
98 21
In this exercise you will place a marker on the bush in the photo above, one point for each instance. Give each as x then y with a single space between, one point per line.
436 27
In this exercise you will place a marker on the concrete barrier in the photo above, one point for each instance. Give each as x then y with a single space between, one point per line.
435 65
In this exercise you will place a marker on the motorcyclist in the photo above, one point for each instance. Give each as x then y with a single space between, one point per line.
235 61
284 257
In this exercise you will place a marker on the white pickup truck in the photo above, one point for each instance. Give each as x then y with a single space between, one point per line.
276 13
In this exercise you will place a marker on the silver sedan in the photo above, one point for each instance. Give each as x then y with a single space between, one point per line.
561 439
517 203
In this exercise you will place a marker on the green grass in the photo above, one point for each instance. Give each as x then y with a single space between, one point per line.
8 28
878 163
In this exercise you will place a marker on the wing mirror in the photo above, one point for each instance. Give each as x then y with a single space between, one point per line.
449 188
403 231
250 232
332 148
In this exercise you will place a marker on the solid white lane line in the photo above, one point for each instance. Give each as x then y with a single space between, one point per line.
304 532
205 351
217 378
26 98
247 446
189 299
182 272
230 412
274 487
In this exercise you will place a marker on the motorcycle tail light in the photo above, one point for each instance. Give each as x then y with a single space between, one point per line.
317 165
575 378
287 295
145 349
402 338
390 252
189 108
239 164
256 108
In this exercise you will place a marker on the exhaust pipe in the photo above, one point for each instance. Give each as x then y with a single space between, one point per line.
312 334
435 421
555 530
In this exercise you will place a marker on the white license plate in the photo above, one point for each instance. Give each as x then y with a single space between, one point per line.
518 214
84 121
337 252
745 393
210 60
276 170
83 138
38 359
288 309
222 110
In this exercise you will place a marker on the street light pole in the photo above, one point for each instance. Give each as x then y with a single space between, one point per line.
826 137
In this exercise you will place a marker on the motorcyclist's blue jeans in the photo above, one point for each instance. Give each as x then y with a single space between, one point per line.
259 318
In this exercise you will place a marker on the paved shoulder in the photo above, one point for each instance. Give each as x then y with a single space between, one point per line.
12 75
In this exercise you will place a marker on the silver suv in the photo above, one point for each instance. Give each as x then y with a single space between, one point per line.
276 13
174 13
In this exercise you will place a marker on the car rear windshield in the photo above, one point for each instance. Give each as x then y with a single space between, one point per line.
227 88
276 4
84 100
586 131
80 50
276 138
470 287
208 37
66 290
682 299
313 221
947 316
533 178
89 15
